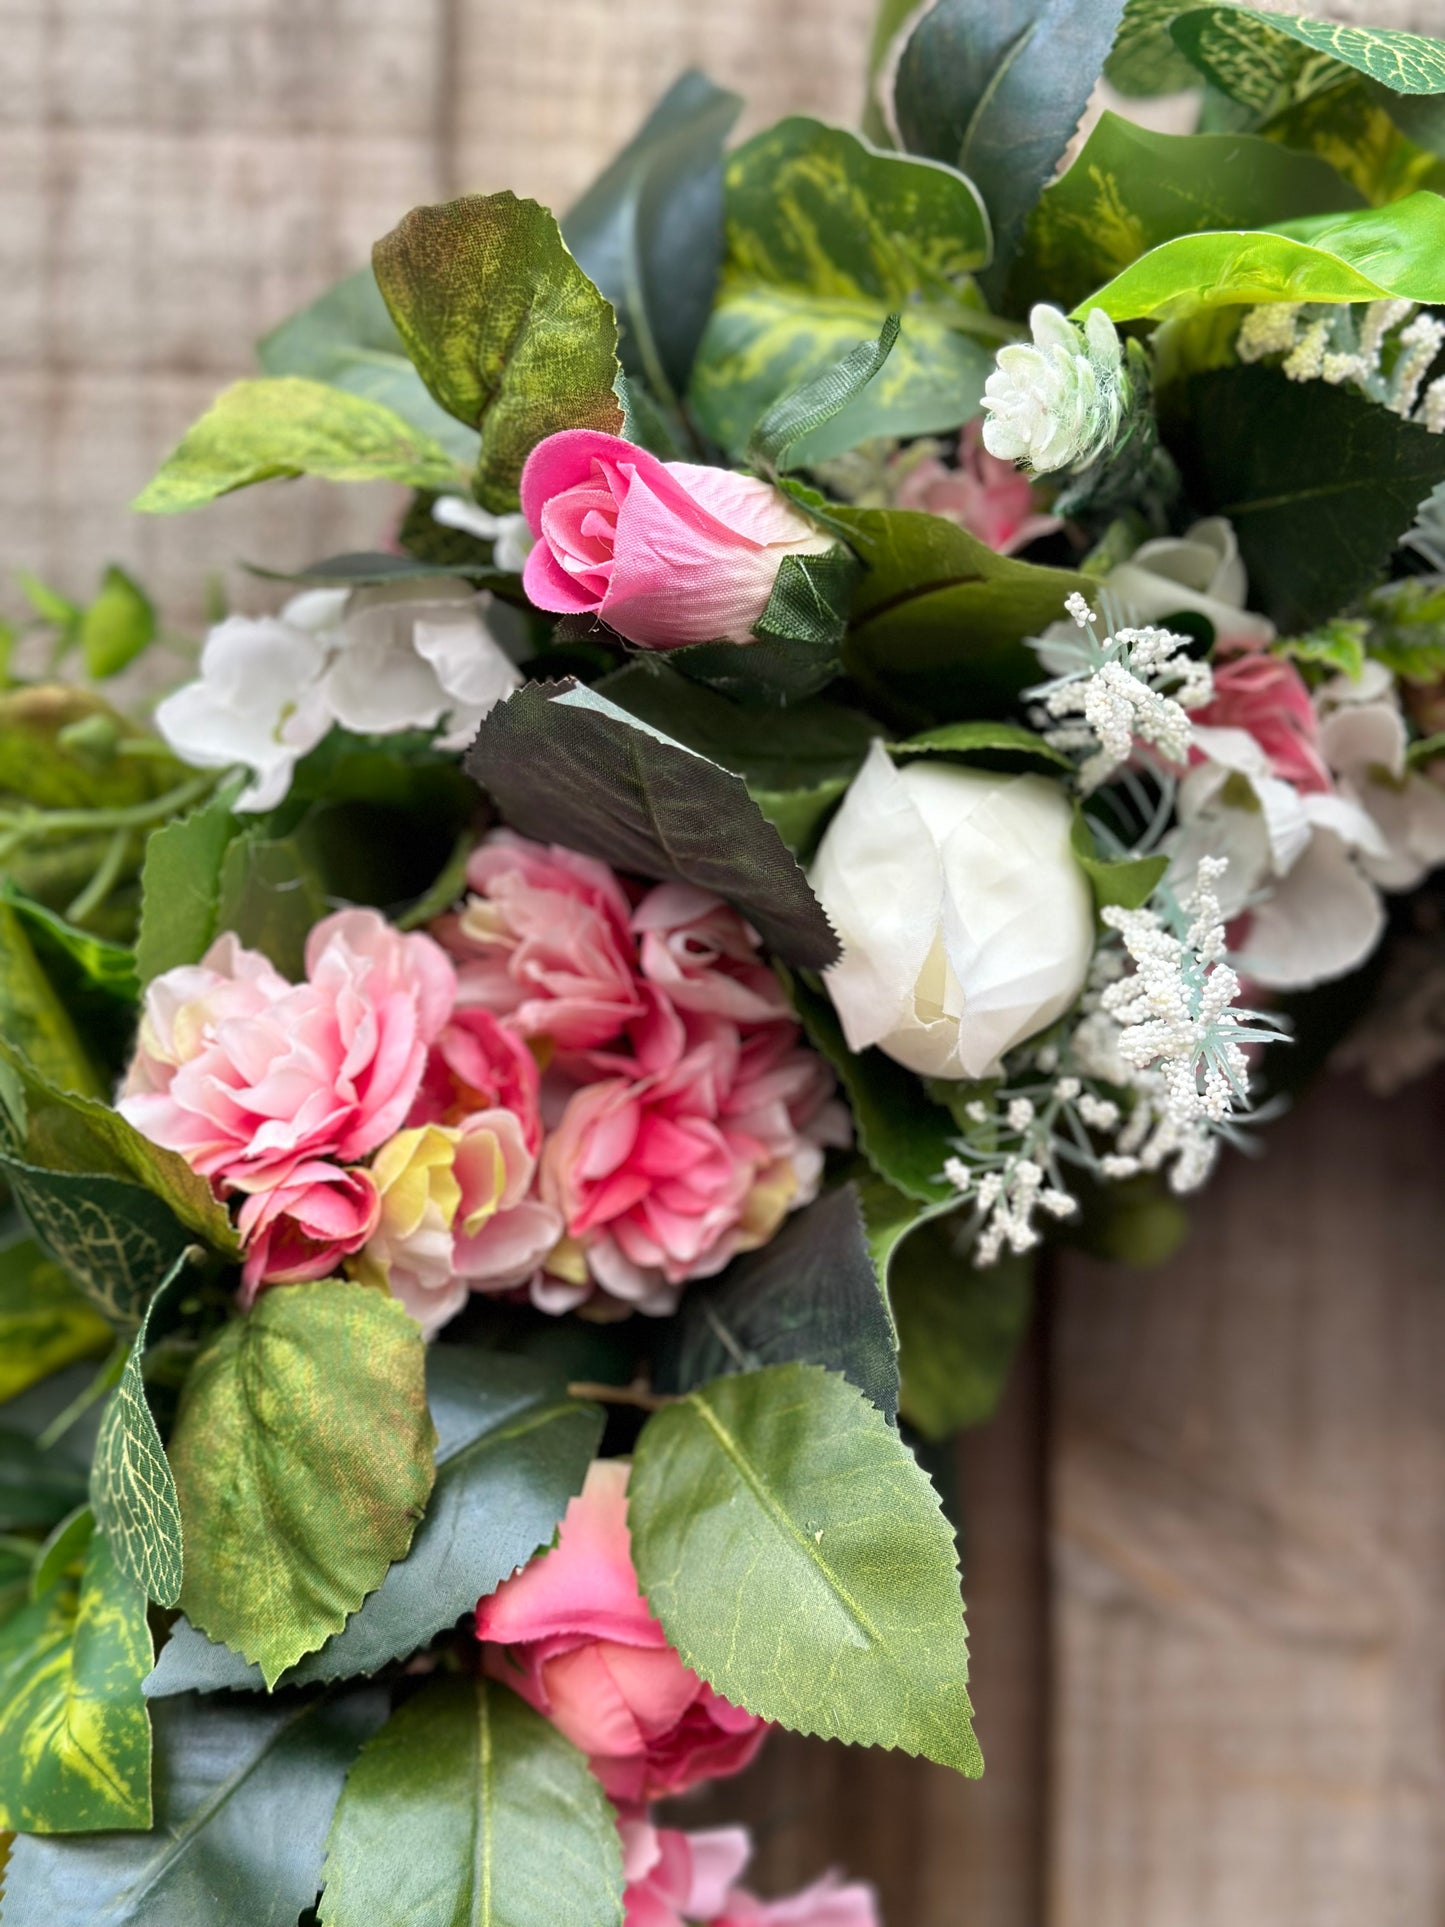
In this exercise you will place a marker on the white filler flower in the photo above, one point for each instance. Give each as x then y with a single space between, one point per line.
1058 401
966 921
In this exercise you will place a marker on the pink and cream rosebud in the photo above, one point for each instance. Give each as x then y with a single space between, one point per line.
675 1879
573 1635
665 553
990 498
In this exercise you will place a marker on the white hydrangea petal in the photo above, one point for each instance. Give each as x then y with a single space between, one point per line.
1318 923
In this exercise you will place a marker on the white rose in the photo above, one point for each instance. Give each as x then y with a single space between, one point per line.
966 921
1201 572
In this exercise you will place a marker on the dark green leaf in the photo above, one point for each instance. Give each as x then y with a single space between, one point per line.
36 1488
504 1825
131 1486
347 339
302 1454
101 965
565 765
1130 189
959 1328
65 1546
798 1560
181 888
804 409
45 1323
368 569
1319 483
507 331
244 1794
811 1294
75 1738
511 1451
998 92
258 430
649 231
796 653
117 625
270 897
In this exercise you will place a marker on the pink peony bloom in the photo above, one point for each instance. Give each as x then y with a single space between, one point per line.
990 498
477 1064
666 553
543 942
573 1635
689 1154
674 1879
302 1223
704 957
1267 698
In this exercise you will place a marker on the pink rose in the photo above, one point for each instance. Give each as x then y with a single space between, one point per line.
990 498
690 1153
476 1064
301 1224
674 1879
243 1074
1267 697
665 553
704 957
543 942
573 1635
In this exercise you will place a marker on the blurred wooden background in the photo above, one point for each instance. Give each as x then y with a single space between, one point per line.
1206 1563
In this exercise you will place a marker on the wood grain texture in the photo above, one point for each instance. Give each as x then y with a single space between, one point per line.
1248 1469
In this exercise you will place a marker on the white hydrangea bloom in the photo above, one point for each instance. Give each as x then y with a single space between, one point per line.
1056 402
510 533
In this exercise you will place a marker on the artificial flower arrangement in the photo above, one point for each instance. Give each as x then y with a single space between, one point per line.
540 1076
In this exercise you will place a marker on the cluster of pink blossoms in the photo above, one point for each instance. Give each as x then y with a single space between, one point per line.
388 1116
573 1635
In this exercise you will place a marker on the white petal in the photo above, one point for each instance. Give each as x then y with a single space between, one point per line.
1319 922
1364 736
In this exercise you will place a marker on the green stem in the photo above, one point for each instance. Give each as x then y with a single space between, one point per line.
103 882
28 824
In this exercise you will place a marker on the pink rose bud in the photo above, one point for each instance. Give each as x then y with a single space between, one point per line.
665 553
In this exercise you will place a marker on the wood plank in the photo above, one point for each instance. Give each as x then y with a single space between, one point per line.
1248 1468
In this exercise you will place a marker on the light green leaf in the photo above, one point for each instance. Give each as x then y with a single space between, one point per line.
1366 255
827 238
512 1449
799 816
998 91
243 1797
302 1454
959 1329
504 1824
75 1739
506 330
32 1017
181 887
347 338
131 1486
49 756
806 408
1130 190
98 963
257 430
567 766
1127 881
117 625
1268 60
1351 126
45 1323
995 745
798 1560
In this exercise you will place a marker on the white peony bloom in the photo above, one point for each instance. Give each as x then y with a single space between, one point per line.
966 921
1056 402
1200 573
257 703
1363 738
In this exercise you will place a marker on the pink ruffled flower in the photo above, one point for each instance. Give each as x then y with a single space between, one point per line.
573 1635
543 943
303 1224
990 498
692 1152
665 553
704 957
477 1064
675 1879
1267 698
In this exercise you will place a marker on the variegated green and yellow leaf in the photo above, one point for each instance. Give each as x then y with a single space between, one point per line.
45 1323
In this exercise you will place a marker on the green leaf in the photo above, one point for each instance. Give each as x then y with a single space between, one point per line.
565 765
257 430
117 626
997 745
798 633
347 338
271 896
506 330
939 619
649 231
49 604
33 1018
181 888
998 92
503 1822
65 1546
799 816
131 1485
302 1454
1144 61
75 1738
35 1489
100 964
826 239
243 1797
45 1323
1268 60
1319 483
798 1560
46 760
959 1329
1337 646
811 1294
1127 881
1350 126
903 1135
803 410
1130 190
512 1449
1367 254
